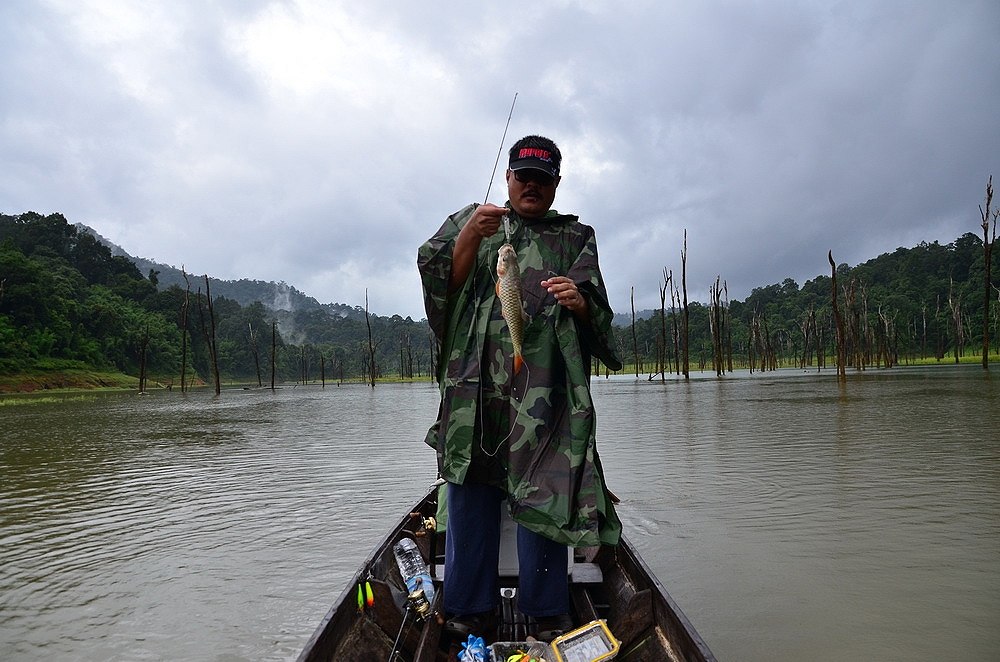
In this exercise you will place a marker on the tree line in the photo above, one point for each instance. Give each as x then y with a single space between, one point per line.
67 302
931 302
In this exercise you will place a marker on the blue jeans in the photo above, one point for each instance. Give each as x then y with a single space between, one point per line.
472 553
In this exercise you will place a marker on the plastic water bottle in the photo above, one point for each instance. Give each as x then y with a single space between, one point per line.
413 569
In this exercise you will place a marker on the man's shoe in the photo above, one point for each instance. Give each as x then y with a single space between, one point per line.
547 628
482 625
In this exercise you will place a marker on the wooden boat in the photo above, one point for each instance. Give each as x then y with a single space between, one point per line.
610 583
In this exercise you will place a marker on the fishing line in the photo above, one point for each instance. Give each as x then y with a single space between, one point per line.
509 366
479 346
500 151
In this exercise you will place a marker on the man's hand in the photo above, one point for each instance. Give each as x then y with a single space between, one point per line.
484 222
568 296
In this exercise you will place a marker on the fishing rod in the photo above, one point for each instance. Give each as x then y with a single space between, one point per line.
506 222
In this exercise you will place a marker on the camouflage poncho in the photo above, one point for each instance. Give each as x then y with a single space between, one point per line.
533 433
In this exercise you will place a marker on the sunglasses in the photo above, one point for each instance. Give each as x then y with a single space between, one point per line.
528 175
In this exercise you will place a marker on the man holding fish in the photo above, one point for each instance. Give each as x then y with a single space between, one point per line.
519 315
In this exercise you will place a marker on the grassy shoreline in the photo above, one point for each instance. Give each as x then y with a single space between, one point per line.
72 380
79 380
68 379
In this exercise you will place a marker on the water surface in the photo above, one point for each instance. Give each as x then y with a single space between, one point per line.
791 518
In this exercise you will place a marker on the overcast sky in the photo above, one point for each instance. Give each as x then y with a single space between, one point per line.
320 143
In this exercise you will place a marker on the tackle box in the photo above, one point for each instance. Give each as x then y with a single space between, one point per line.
591 643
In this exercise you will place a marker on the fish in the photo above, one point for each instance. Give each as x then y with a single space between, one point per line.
511 305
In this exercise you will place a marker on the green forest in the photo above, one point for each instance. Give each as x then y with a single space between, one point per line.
68 304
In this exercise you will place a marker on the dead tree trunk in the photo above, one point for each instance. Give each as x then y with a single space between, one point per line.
274 350
675 297
635 342
371 344
805 325
255 351
854 330
143 349
664 353
208 331
955 306
728 325
988 258
214 347
839 321
820 340
685 312
715 324
923 331
185 303
996 323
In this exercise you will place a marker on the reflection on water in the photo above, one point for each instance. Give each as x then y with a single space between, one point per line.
790 517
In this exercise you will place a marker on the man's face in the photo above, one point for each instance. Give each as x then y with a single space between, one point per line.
531 192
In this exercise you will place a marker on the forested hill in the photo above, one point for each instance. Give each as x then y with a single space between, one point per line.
67 301
275 296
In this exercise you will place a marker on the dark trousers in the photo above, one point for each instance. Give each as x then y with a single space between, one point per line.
472 552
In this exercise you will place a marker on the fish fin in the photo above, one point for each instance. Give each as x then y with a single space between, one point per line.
518 362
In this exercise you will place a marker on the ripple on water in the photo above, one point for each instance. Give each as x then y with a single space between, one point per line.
237 520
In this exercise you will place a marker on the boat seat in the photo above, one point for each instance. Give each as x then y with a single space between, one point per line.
508 547
579 572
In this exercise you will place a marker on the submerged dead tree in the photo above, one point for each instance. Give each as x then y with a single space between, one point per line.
854 329
716 323
839 322
728 340
664 351
685 312
887 350
988 242
955 306
143 350
635 343
761 347
371 344
255 351
185 303
274 350
810 338
675 302
210 336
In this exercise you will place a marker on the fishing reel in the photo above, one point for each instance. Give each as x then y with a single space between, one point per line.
417 601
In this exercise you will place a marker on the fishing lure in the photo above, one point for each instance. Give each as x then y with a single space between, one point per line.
365 596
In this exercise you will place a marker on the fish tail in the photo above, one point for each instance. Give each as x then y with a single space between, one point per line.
518 362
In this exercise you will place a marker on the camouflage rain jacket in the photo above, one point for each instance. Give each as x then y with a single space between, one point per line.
533 433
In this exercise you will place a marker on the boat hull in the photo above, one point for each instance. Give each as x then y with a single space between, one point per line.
609 583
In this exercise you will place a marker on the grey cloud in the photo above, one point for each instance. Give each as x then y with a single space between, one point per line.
771 132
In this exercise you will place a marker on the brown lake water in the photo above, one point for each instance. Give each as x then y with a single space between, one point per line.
791 518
